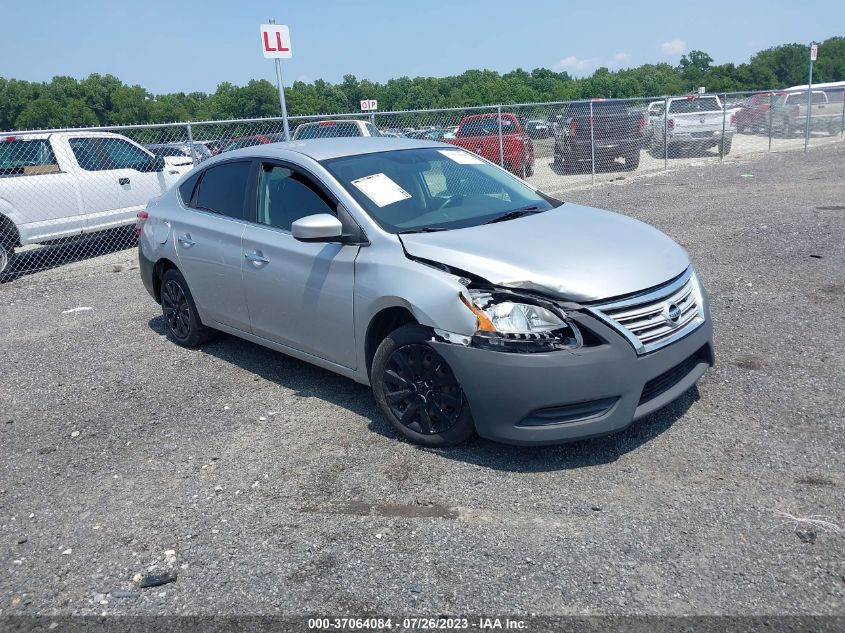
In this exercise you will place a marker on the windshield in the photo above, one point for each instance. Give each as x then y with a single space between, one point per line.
432 189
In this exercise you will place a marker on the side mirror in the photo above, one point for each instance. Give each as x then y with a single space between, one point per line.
156 163
321 227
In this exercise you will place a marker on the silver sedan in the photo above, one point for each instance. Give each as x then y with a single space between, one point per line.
470 301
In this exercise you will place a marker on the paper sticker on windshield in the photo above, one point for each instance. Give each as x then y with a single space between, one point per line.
464 158
381 189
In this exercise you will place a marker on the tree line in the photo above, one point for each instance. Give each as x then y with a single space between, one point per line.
105 100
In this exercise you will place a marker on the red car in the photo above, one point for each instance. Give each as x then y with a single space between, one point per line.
753 116
479 133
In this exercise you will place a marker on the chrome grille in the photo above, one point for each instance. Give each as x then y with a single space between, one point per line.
655 319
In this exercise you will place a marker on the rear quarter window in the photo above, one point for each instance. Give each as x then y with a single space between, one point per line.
27 158
186 189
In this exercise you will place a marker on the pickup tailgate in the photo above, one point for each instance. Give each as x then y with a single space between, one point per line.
698 123
613 129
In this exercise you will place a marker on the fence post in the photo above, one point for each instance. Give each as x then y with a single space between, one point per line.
771 104
724 119
501 142
666 134
592 148
842 121
191 143
809 117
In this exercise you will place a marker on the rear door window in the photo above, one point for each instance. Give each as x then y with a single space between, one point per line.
223 189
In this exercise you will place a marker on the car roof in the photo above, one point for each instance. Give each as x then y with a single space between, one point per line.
326 148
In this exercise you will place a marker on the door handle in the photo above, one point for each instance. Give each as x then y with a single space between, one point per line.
123 181
255 257
186 241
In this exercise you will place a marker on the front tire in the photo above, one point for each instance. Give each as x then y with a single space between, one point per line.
417 391
529 169
7 253
181 318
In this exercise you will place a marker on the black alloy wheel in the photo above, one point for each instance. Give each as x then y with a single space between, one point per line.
421 390
417 390
174 305
180 312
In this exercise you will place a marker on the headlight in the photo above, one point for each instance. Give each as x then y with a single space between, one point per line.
511 325
514 318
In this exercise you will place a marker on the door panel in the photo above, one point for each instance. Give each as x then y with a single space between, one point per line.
301 294
115 182
209 250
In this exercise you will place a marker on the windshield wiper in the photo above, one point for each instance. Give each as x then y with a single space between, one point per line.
424 229
516 213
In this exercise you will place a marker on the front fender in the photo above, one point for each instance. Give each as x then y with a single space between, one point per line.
389 279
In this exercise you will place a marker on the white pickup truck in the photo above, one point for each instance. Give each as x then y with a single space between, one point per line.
695 122
65 184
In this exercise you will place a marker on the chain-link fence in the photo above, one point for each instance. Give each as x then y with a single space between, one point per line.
71 194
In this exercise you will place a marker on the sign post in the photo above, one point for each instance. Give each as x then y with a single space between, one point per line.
275 42
370 105
814 52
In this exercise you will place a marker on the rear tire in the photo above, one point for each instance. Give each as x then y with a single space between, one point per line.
417 391
182 320
725 146
529 170
632 160
657 149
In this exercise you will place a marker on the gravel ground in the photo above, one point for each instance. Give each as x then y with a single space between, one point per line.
275 487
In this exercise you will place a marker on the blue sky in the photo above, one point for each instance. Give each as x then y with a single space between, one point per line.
195 45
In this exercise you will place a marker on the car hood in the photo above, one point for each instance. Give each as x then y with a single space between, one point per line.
572 252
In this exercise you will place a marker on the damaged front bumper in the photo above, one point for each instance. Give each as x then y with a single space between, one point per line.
565 395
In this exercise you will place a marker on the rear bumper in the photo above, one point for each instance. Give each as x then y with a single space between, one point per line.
564 396
147 270
603 148
690 138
